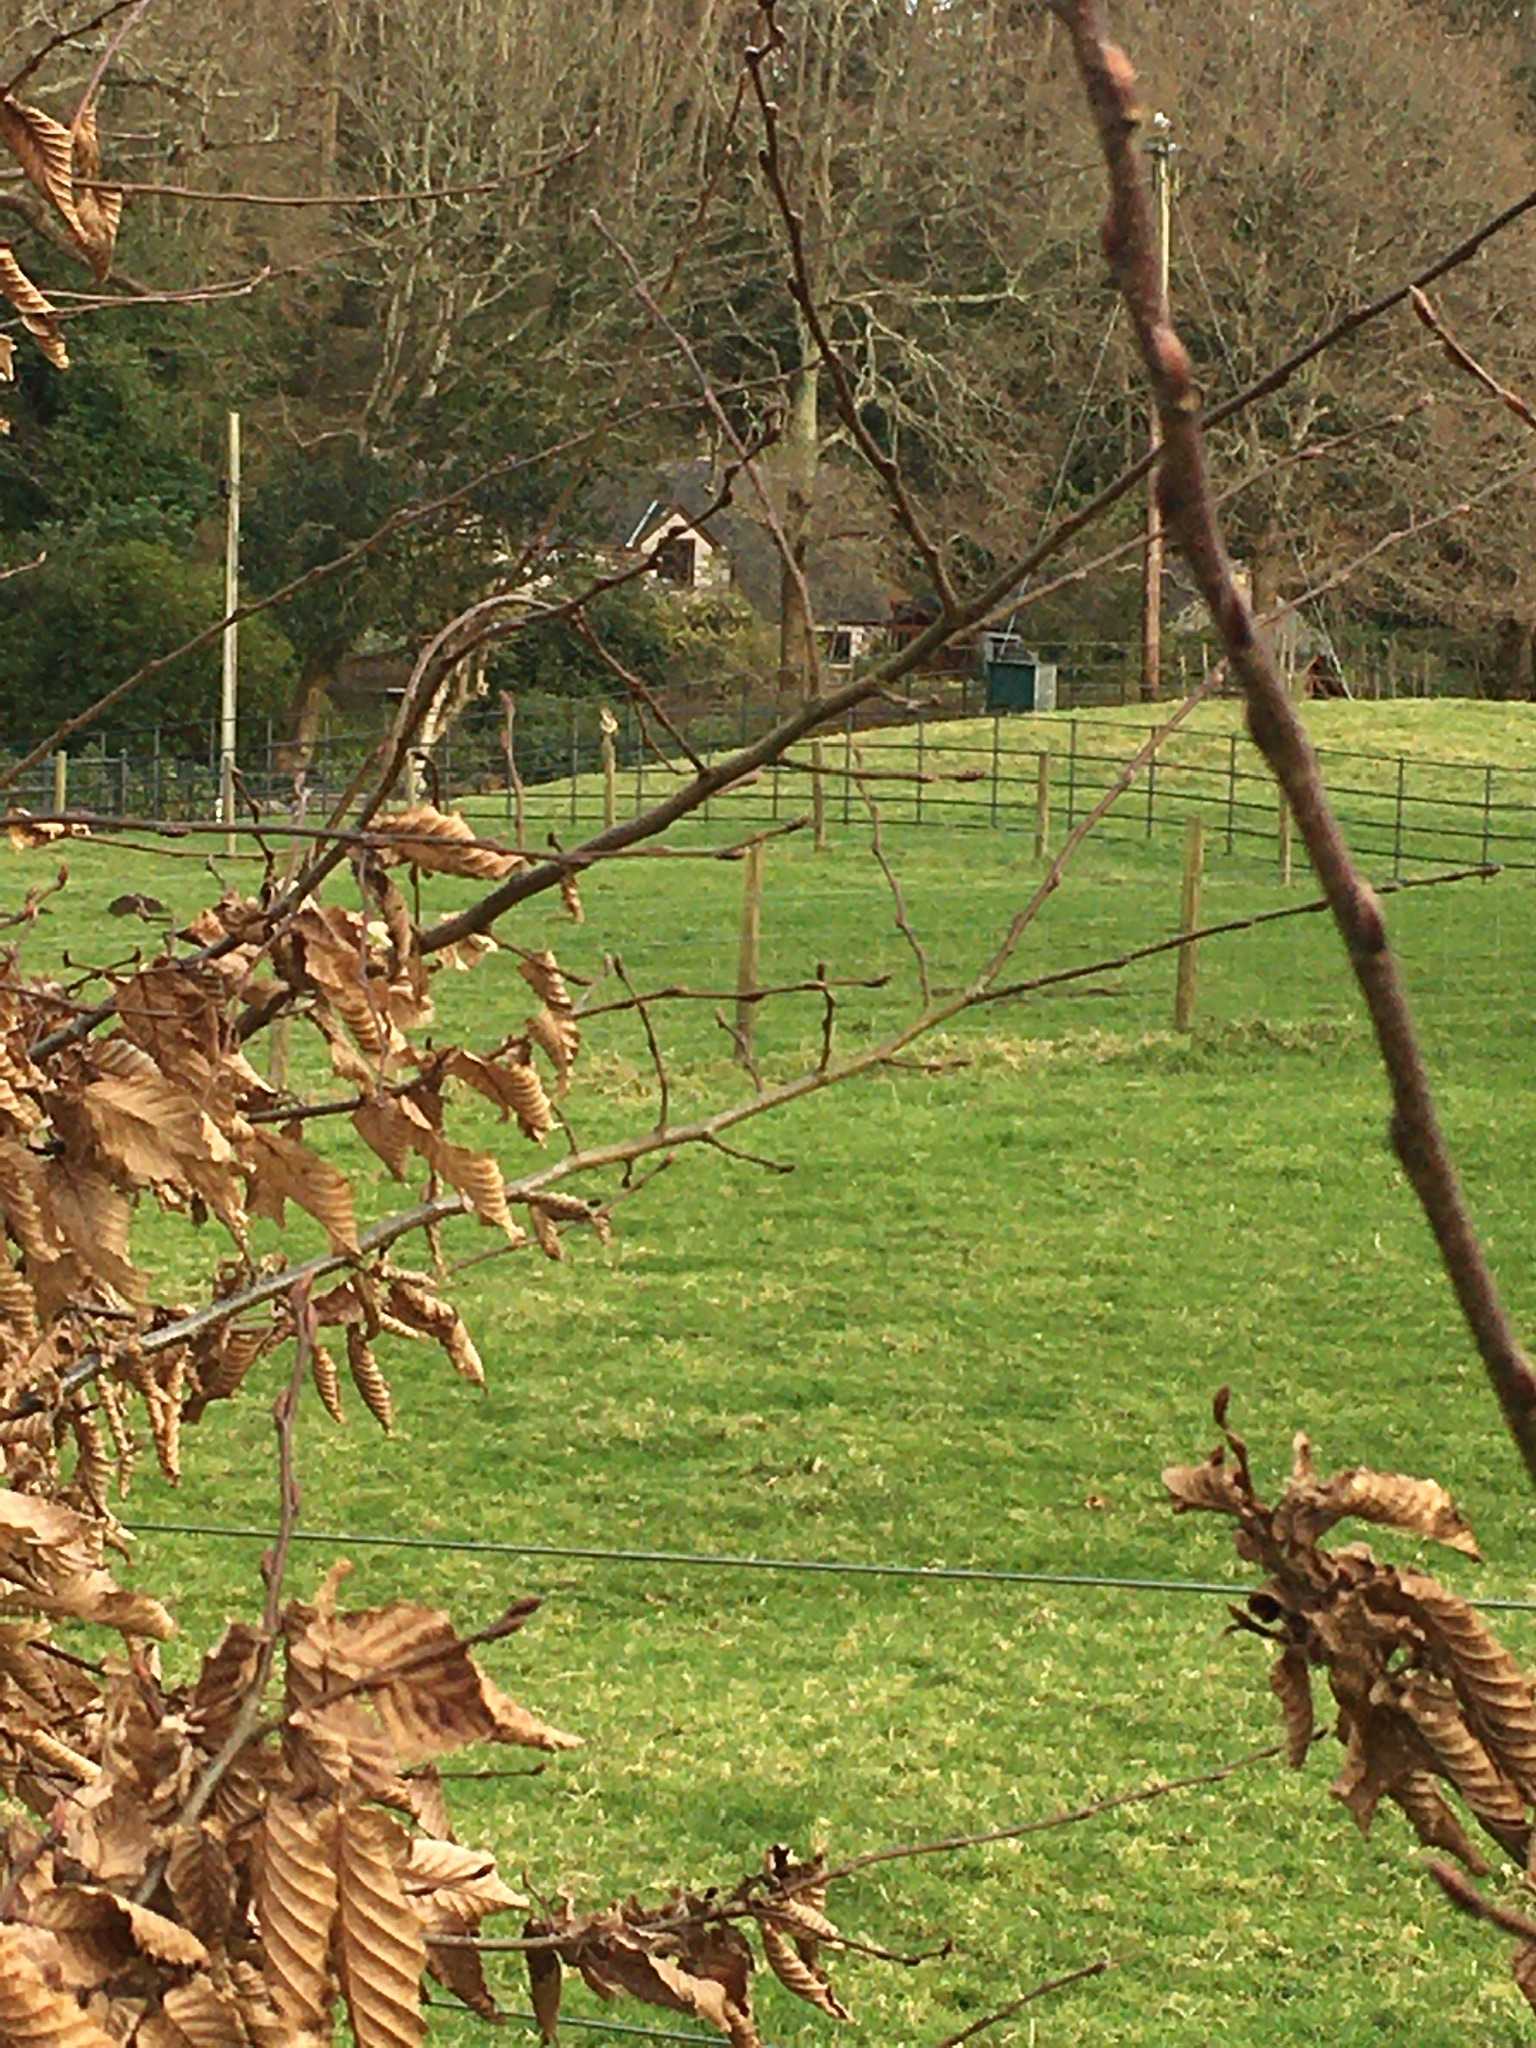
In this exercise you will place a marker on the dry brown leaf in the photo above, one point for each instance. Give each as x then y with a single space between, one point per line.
50 1563
284 1169
296 1893
1489 1683
796 1975
546 1981
369 1380
415 1305
542 973
33 2014
1435 1823
558 1035
45 152
38 317
380 1952
1211 1486
1420 1506
570 896
451 1886
202 1881
1290 1680
326 1375
439 842
99 208
1523 1967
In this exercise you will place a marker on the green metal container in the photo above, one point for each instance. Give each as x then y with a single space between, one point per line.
1017 679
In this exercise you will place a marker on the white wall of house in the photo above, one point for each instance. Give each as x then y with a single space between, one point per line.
711 565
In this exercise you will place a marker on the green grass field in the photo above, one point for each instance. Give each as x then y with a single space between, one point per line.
969 1328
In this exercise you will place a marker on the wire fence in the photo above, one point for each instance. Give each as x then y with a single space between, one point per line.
1029 774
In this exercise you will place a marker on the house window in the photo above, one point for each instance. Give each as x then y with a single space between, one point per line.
675 560
840 653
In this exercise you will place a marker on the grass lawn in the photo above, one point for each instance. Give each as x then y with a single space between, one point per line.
985 1308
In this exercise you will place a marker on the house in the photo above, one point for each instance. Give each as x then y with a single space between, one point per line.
701 551
1303 648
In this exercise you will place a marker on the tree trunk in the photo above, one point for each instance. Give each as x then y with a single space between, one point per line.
801 444
1514 666
308 708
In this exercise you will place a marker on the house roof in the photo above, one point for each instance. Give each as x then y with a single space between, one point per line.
844 587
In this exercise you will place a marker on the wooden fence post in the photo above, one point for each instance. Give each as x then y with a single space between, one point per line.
1189 919
747 961
61 780
848 770
610 726
1042 804
818 796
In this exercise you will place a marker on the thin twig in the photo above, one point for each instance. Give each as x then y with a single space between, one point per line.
639 1004
892 882
1006 2012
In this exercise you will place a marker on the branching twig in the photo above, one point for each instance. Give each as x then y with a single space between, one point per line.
1185 499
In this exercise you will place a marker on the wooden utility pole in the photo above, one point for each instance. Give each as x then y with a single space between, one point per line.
229 696
1160 149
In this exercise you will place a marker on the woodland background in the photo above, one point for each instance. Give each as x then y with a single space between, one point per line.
386 352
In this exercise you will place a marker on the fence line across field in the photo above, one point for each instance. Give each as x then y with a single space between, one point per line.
844 1568
584 761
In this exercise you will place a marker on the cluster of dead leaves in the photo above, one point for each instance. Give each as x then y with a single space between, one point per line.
64 167
690 1954
1434 1713
235 1861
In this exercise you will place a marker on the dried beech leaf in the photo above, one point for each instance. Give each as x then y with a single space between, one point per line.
369 1380
546 1981
570 896
796 1975
297 1899
1420 1506
1291 1682
38 316
1211 1486
438 842
32 2014
1490 1684
327 1378
1435 1823
285 1169
98 208
380 1950
45 152
542 973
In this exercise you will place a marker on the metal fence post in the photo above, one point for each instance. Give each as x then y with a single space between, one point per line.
1151 792
917 797
1042 804
574 758
1231 789
1071 773
1487 810
848 767
1397 829
997 740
